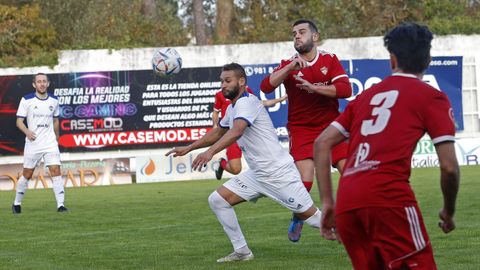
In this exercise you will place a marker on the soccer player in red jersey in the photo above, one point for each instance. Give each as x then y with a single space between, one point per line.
376 214
314 81
233 162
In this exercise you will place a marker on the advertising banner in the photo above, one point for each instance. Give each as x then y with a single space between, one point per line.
79 173
444 73
159 168
101 111
466 149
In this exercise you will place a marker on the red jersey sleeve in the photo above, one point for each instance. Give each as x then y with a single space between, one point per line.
344 121
340 79
217 106
438 119
265 85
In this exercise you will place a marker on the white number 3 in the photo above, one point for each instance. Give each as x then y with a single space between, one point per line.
384 101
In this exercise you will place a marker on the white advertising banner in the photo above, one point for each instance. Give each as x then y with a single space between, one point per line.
467 151
76 173
159 168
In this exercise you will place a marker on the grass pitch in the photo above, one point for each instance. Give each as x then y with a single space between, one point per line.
170 226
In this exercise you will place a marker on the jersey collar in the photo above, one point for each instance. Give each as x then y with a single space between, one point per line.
409 75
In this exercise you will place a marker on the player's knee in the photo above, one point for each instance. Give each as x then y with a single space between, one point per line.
236 170
55 171
216 201
235 166
27 173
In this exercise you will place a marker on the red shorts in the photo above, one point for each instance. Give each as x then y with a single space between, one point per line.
233 151
301 144
386 238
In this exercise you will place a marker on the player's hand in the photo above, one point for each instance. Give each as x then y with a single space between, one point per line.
446 223
201 161
327 224
297 64
304 84
178 151
31 135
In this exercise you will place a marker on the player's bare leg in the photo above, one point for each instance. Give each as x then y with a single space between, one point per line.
221 202
21 188
306 169
233 166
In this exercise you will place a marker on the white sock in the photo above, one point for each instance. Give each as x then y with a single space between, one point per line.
21 189
59 190
227 217
315 219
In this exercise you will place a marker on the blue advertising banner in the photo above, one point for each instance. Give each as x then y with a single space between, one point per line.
444 73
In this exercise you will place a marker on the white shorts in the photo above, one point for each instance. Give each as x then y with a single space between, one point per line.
284 187
30 161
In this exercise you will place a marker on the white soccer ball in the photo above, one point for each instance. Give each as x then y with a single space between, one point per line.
166 62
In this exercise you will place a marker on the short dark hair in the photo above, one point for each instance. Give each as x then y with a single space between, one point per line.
40 73
237 68
411 44
311 24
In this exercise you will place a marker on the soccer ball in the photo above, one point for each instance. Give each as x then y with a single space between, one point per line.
166 62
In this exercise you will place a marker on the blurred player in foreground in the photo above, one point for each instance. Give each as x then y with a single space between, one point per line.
271 173
41 110
376 215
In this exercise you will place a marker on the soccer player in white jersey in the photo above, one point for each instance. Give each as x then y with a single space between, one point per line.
271 173
41 110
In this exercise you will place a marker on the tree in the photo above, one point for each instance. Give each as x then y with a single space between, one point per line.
199 18
25 37
149 9
223 20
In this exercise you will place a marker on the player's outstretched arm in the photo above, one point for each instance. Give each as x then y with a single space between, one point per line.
449 181
210 138
322 151
232 135
272 102
215 118
21 125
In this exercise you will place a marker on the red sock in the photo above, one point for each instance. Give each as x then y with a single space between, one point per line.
223 164
308 185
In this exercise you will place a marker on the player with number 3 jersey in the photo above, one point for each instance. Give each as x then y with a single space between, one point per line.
376 214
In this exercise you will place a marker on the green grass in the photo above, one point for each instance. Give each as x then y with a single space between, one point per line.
170 226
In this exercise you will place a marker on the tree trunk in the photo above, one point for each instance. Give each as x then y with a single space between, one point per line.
224 19
149 9
199 20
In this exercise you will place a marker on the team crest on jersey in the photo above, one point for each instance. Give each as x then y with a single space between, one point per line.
324 70
35 108
51 108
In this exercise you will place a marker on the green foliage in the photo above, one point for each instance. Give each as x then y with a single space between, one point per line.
114 24
31 31
25 37
453 17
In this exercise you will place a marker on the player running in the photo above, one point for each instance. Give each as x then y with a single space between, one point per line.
271 173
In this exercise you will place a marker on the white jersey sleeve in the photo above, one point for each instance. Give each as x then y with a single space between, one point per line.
22 108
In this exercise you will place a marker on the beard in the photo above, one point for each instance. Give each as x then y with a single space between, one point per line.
305 48
233 93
